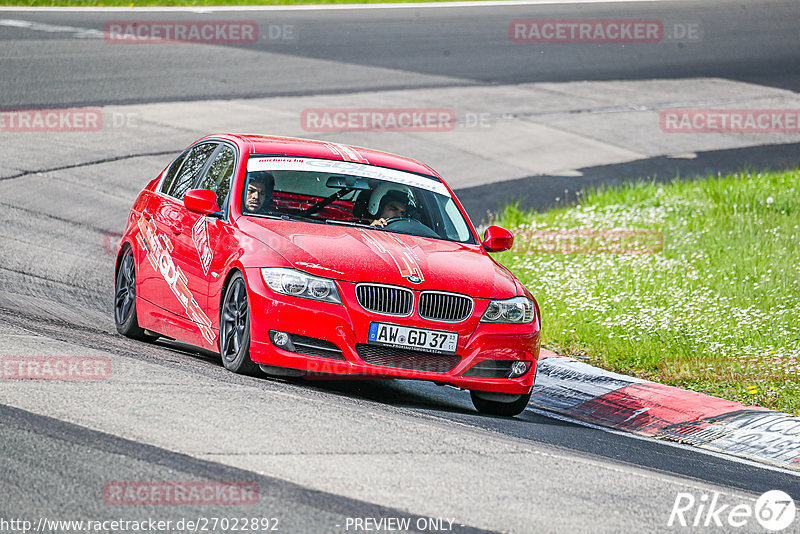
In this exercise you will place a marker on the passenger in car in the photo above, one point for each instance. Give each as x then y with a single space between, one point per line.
258 193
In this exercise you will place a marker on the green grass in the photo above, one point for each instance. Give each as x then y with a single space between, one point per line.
715 311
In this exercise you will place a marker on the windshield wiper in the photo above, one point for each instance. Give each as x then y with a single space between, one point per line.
297 217
346 223
262 215
283 216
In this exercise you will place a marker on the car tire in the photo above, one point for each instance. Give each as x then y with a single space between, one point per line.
499 403
234 328
125 299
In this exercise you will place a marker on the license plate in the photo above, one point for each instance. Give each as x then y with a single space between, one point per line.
392 335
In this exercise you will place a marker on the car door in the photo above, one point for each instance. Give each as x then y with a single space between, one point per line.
202 236
167 231
149 279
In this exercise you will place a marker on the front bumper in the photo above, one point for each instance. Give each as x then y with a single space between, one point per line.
347 325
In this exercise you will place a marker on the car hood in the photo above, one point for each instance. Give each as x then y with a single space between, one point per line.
366 255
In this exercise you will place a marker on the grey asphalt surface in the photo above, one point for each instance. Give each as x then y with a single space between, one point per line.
750 41
545 191
320 451
631 480
68 467
48 60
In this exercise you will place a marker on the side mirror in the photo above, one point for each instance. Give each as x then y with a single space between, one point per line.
202 201
497 239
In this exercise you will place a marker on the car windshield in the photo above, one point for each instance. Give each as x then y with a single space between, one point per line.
337 192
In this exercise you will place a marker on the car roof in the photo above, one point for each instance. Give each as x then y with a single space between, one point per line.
310 148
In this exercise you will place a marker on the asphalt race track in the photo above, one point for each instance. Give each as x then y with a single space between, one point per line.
745 41
333 456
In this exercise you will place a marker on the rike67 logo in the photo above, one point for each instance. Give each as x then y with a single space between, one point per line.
773 511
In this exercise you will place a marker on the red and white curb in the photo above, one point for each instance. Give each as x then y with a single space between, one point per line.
575 389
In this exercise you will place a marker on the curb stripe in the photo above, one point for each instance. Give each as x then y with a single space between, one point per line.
581 391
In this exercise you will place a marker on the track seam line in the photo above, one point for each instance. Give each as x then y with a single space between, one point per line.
56 218
88 164
44 278
281 94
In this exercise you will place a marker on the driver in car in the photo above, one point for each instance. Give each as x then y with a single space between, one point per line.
394 204
258 194
390 201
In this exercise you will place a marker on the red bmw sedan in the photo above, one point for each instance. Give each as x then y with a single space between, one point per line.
301 257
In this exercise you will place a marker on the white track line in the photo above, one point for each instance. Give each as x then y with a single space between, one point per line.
329 7
84 33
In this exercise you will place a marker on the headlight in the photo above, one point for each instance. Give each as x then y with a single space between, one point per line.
299 284
518 310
